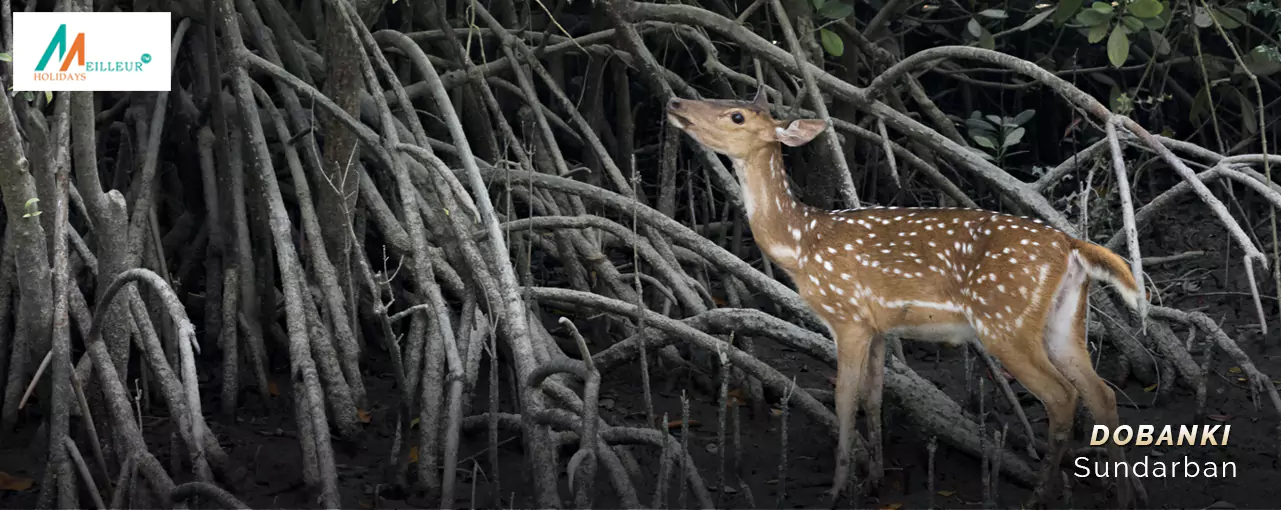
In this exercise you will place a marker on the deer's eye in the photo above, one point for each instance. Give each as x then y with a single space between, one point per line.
736 117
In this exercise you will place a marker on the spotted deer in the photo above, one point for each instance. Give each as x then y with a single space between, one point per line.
931 274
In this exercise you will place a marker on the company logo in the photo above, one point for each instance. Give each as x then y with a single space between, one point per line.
91 51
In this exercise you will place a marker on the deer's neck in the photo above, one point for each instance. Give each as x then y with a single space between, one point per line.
775 215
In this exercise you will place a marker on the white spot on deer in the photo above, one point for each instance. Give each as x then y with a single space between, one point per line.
1023 242
827 265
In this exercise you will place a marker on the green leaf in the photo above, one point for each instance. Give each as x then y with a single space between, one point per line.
978 125
1144 8
994 13
1118 47
1159 42
836 9
1200 104
818 4
4 57
986 41
1201 17
1098 32
1228 16
1091 17
31 202
984 141
1154 23
1102 78
1132 24
832 42
1102 7
1249 116
974 28
1013 138
1023 117
48 96
995 120
1035 20
1065 10
28 96
1262 61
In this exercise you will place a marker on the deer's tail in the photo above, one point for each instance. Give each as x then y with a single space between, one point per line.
1102 264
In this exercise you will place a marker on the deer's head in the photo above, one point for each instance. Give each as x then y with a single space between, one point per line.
738 128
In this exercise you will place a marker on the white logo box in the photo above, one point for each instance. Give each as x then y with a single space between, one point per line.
102 51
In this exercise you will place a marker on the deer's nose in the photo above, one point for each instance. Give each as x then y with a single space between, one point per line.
673 104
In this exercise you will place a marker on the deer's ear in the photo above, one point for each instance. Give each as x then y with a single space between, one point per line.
799 132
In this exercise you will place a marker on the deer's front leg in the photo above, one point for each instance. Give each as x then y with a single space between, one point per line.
873 386
852 342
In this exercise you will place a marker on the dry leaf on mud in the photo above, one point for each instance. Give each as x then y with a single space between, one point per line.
363 416
272 389
892 506
9 482
946 494
1219 417
413 455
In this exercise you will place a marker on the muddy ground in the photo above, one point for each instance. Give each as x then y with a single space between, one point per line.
261 438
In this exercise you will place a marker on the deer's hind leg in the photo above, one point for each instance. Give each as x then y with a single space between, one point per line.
853 340
1065 341
873 387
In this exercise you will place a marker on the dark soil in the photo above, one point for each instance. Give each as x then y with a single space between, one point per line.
262 440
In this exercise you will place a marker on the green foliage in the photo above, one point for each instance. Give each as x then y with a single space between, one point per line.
1118 46
31 207
1116 23
997 134
1065 10
833 43
833 11
1264 59
980 34
4 57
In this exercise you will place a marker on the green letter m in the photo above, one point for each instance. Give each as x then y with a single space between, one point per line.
59 42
